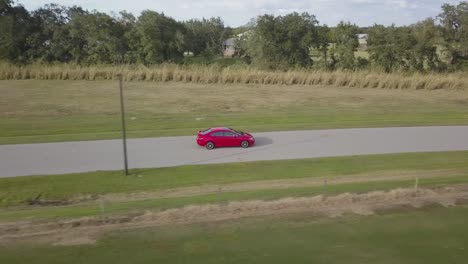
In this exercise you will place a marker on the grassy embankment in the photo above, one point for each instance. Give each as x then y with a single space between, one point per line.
176 187
432 235
422 236
65 110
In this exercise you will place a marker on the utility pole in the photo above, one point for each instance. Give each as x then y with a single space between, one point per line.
124 134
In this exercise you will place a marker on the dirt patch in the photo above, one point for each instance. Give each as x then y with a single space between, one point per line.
462 101
75 241
37 201
87 230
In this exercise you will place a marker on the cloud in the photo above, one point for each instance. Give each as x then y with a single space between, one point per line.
239 12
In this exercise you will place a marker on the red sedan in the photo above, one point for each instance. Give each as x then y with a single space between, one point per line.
224 137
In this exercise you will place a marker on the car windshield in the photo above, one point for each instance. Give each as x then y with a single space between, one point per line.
238 132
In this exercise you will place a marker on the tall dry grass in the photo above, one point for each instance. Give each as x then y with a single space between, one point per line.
235 74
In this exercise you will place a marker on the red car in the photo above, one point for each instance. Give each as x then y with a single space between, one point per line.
224 137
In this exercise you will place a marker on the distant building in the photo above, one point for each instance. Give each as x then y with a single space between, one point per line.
229 47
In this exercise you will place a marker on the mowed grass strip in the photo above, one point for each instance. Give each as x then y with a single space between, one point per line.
15 191
109 208
436 235
35 111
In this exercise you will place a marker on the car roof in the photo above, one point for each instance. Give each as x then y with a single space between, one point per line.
220 129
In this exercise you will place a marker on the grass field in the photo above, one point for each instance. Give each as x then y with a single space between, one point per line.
49 111
59 110
180 186
122 207
427 235
423 236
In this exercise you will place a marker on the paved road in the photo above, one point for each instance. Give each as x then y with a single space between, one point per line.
69 157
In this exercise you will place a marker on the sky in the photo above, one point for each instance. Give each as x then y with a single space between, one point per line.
239 12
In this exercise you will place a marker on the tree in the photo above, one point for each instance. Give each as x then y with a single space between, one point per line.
49 38
454 22
322 43
406 48
206 36
75 35
424 55
283 41
345 37
243 40
382 49
104 38
15 27
76 27
161 38
392 48
6 30
129 41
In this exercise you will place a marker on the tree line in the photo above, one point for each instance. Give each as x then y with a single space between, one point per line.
55 33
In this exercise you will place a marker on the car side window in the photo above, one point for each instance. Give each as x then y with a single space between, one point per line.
229 134
217 134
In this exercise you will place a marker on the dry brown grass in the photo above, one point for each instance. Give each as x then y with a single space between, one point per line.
235 74
86 230
32 98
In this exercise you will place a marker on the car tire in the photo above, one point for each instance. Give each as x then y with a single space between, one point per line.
210 145
245 144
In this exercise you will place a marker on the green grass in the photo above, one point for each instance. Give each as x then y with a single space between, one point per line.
95 208
431 235
52 111
40 130
437 235
15 191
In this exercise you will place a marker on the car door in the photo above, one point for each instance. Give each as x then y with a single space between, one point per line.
218 139
231 139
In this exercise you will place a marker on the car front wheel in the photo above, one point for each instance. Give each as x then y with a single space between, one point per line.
210 145
245 144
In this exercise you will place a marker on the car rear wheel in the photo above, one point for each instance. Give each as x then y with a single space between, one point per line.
210 145
245 144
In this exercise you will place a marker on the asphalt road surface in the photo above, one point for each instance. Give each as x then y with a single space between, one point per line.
71 157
